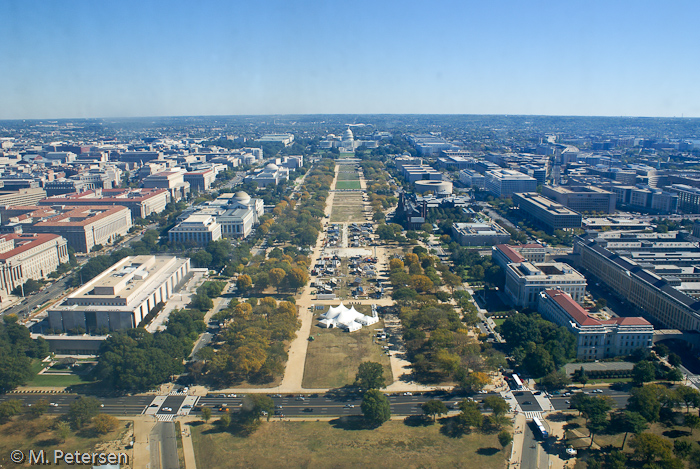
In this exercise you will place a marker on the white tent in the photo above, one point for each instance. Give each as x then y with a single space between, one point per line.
346 318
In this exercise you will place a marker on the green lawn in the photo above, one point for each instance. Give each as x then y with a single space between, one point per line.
499 321
333 358
56 380
331 444
348 185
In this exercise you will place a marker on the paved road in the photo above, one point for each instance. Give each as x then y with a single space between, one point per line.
324 404
163 446
534 456
31 302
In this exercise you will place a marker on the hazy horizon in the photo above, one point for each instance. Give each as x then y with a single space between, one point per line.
166 59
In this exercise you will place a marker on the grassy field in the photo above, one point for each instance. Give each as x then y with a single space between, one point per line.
348 175
348 185
25 433
333 357
347 208
56 380
328 444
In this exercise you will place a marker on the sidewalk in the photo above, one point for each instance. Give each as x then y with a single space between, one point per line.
518 440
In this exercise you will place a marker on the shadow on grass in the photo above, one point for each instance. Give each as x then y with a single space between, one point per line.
48 443
675 433
559 417
451 427
417 421
350 422
488 451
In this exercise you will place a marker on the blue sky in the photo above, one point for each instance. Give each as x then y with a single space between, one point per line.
134 58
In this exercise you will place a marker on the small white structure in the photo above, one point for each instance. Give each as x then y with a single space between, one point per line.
349 319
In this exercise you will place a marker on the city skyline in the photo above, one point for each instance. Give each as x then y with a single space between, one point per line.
87 60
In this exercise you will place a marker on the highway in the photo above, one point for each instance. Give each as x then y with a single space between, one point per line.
292 405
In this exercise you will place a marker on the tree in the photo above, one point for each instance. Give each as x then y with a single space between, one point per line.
105 423
674 360
276 277
647 401
421 283
649 447
497 404
370 375
62 430
82 410
691 421
476 381
682 448
206 414
39 407
375 407
255 405
451 280
580 376
643 372
592 408
689 396
674 374
629 422
244 283
434 408
470 417
297 278
555 380
9 409
504 438
396 264
224 421
201 259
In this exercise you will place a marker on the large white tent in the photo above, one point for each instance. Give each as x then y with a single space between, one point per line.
346 318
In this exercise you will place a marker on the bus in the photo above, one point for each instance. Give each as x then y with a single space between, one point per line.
516 380
543 432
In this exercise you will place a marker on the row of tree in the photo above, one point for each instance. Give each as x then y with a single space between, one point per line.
252 345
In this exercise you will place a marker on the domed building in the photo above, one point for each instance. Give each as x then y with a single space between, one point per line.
270 174
347 143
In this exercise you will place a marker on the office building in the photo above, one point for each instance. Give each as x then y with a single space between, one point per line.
479 234
546 213
420 173
22 197
595 338
197 229
582 198
655 296
506 182
285 139
200 181
525 281
29 256
86 227
688 198
172 181
471 178
141 202
121 296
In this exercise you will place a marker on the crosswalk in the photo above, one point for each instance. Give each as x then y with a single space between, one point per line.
177 393
532 415
165 417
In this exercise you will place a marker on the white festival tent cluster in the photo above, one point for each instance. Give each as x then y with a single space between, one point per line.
347 318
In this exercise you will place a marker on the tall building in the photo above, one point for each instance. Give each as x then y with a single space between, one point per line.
22 197
506 182
525 281
657 297
546 213
200 181
582 198
595 339
141 202
504 254
86 227
121 296
29 256
479 234
197 229
172 181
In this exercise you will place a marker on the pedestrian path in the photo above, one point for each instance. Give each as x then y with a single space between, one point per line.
165 417
532 415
